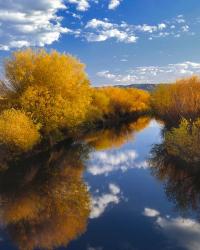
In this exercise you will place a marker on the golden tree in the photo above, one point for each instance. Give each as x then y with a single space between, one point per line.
184 141
178 100
53 88
18 130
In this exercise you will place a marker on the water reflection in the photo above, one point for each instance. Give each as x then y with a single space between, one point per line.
114 138
44 202
185 232
109 154
99 203
181 178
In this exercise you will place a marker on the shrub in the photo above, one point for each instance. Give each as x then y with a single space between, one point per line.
99 108
16 129
179 100
58 72
184 141
52 110
124 101
52 87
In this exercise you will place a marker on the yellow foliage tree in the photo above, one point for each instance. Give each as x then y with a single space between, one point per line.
126 101
178 100
100 104
184 141
16 129
52 87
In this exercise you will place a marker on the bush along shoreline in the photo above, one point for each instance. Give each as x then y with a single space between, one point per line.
47 97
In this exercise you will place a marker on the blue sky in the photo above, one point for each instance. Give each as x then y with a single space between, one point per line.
120 41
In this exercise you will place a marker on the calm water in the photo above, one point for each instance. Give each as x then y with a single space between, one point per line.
103 194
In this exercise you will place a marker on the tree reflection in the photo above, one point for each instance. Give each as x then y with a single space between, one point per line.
115 137
44 201
181 178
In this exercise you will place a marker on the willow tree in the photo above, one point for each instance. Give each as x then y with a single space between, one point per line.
52 87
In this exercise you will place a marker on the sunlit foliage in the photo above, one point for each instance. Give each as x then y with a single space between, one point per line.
53 90
100 105
184 141
54 111
124 101
18 130
58 72
179 100
112 104
53 87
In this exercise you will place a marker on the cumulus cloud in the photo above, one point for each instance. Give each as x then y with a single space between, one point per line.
100 203
102 30
97 30
106 162
37 23
114 4
30 23
153 74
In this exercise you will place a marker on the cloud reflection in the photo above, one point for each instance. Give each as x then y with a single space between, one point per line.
100 203
185 231
106 162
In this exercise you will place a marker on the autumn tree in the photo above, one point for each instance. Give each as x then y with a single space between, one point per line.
126 101
178 100
184 141
53 88
17 130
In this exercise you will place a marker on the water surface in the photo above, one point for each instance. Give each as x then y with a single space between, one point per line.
102 193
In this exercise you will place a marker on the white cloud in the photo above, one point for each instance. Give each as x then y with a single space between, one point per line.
97 30
102 30
30 23
180 19
100 203
81 5
114 189
149 212
153 74
114 4
105 162
36 23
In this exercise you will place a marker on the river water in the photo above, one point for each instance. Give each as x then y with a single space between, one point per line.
108 194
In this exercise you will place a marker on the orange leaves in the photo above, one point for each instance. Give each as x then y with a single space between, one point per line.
181 99
125 101
53 88
54 91
110 103
58 72
183 142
